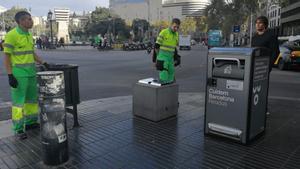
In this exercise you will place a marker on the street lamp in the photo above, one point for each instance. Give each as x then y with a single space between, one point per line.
49 18
110 18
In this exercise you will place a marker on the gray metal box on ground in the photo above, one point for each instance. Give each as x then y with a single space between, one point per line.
155 103
236 92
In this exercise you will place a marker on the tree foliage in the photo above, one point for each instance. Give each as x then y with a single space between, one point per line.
224 14
159 25
9 17
139 27
284 3
188 26
201 24
102 21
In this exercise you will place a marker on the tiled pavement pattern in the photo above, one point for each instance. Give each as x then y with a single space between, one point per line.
110 138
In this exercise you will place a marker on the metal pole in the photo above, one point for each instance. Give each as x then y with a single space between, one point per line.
251 28
109 33
148 19
3 23
51 44
114 31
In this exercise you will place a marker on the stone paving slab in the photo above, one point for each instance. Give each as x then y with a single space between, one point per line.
110 137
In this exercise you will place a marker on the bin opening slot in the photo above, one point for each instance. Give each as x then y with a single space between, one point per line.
225 131
220 62
229 68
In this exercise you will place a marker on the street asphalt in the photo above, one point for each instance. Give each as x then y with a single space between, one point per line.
104 74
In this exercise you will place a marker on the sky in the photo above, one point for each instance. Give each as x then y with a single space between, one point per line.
41 7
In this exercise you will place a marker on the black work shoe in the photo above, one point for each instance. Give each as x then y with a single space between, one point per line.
21 136
32 126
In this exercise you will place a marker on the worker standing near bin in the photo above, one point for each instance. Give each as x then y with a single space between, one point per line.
19 61
264 37
167 57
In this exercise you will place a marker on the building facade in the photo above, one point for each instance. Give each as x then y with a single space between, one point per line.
274 13
186 8
130 10
2 23
62 17
39 26
79 21
157 10
290 19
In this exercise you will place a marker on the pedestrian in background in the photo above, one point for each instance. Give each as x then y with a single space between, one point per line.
19 61
264 37
62 42
1 44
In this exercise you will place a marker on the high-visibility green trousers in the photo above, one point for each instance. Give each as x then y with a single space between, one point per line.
24 103
167 75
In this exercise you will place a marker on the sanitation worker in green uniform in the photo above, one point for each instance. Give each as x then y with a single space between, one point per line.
165 47
19 61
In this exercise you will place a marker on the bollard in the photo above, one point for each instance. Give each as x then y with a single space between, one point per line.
161 102
54 138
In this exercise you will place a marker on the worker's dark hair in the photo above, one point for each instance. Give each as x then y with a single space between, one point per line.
176 20
20 15
264 20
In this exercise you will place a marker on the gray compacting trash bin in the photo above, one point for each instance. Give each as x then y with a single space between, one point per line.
71 87
236 92
153 101
54 138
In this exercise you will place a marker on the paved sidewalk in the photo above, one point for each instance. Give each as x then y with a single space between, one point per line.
110 137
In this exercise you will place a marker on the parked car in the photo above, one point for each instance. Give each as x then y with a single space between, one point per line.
289 56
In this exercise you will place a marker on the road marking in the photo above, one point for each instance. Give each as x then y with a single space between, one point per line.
284 98
5 105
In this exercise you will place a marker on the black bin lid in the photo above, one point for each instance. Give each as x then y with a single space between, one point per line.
62 66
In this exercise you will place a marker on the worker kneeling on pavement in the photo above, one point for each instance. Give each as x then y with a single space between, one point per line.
19 61
167 57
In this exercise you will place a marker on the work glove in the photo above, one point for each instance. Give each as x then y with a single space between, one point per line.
154 56
46 65
177 60
12 81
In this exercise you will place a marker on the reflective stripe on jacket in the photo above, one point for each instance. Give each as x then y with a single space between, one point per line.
167 40
20 46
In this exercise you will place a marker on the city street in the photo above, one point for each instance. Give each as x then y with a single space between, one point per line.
110 137
225 108
112 73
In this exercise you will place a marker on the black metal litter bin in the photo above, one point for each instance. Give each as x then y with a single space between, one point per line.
71 87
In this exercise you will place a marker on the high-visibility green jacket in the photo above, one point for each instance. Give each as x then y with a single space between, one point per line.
168 40
20 46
